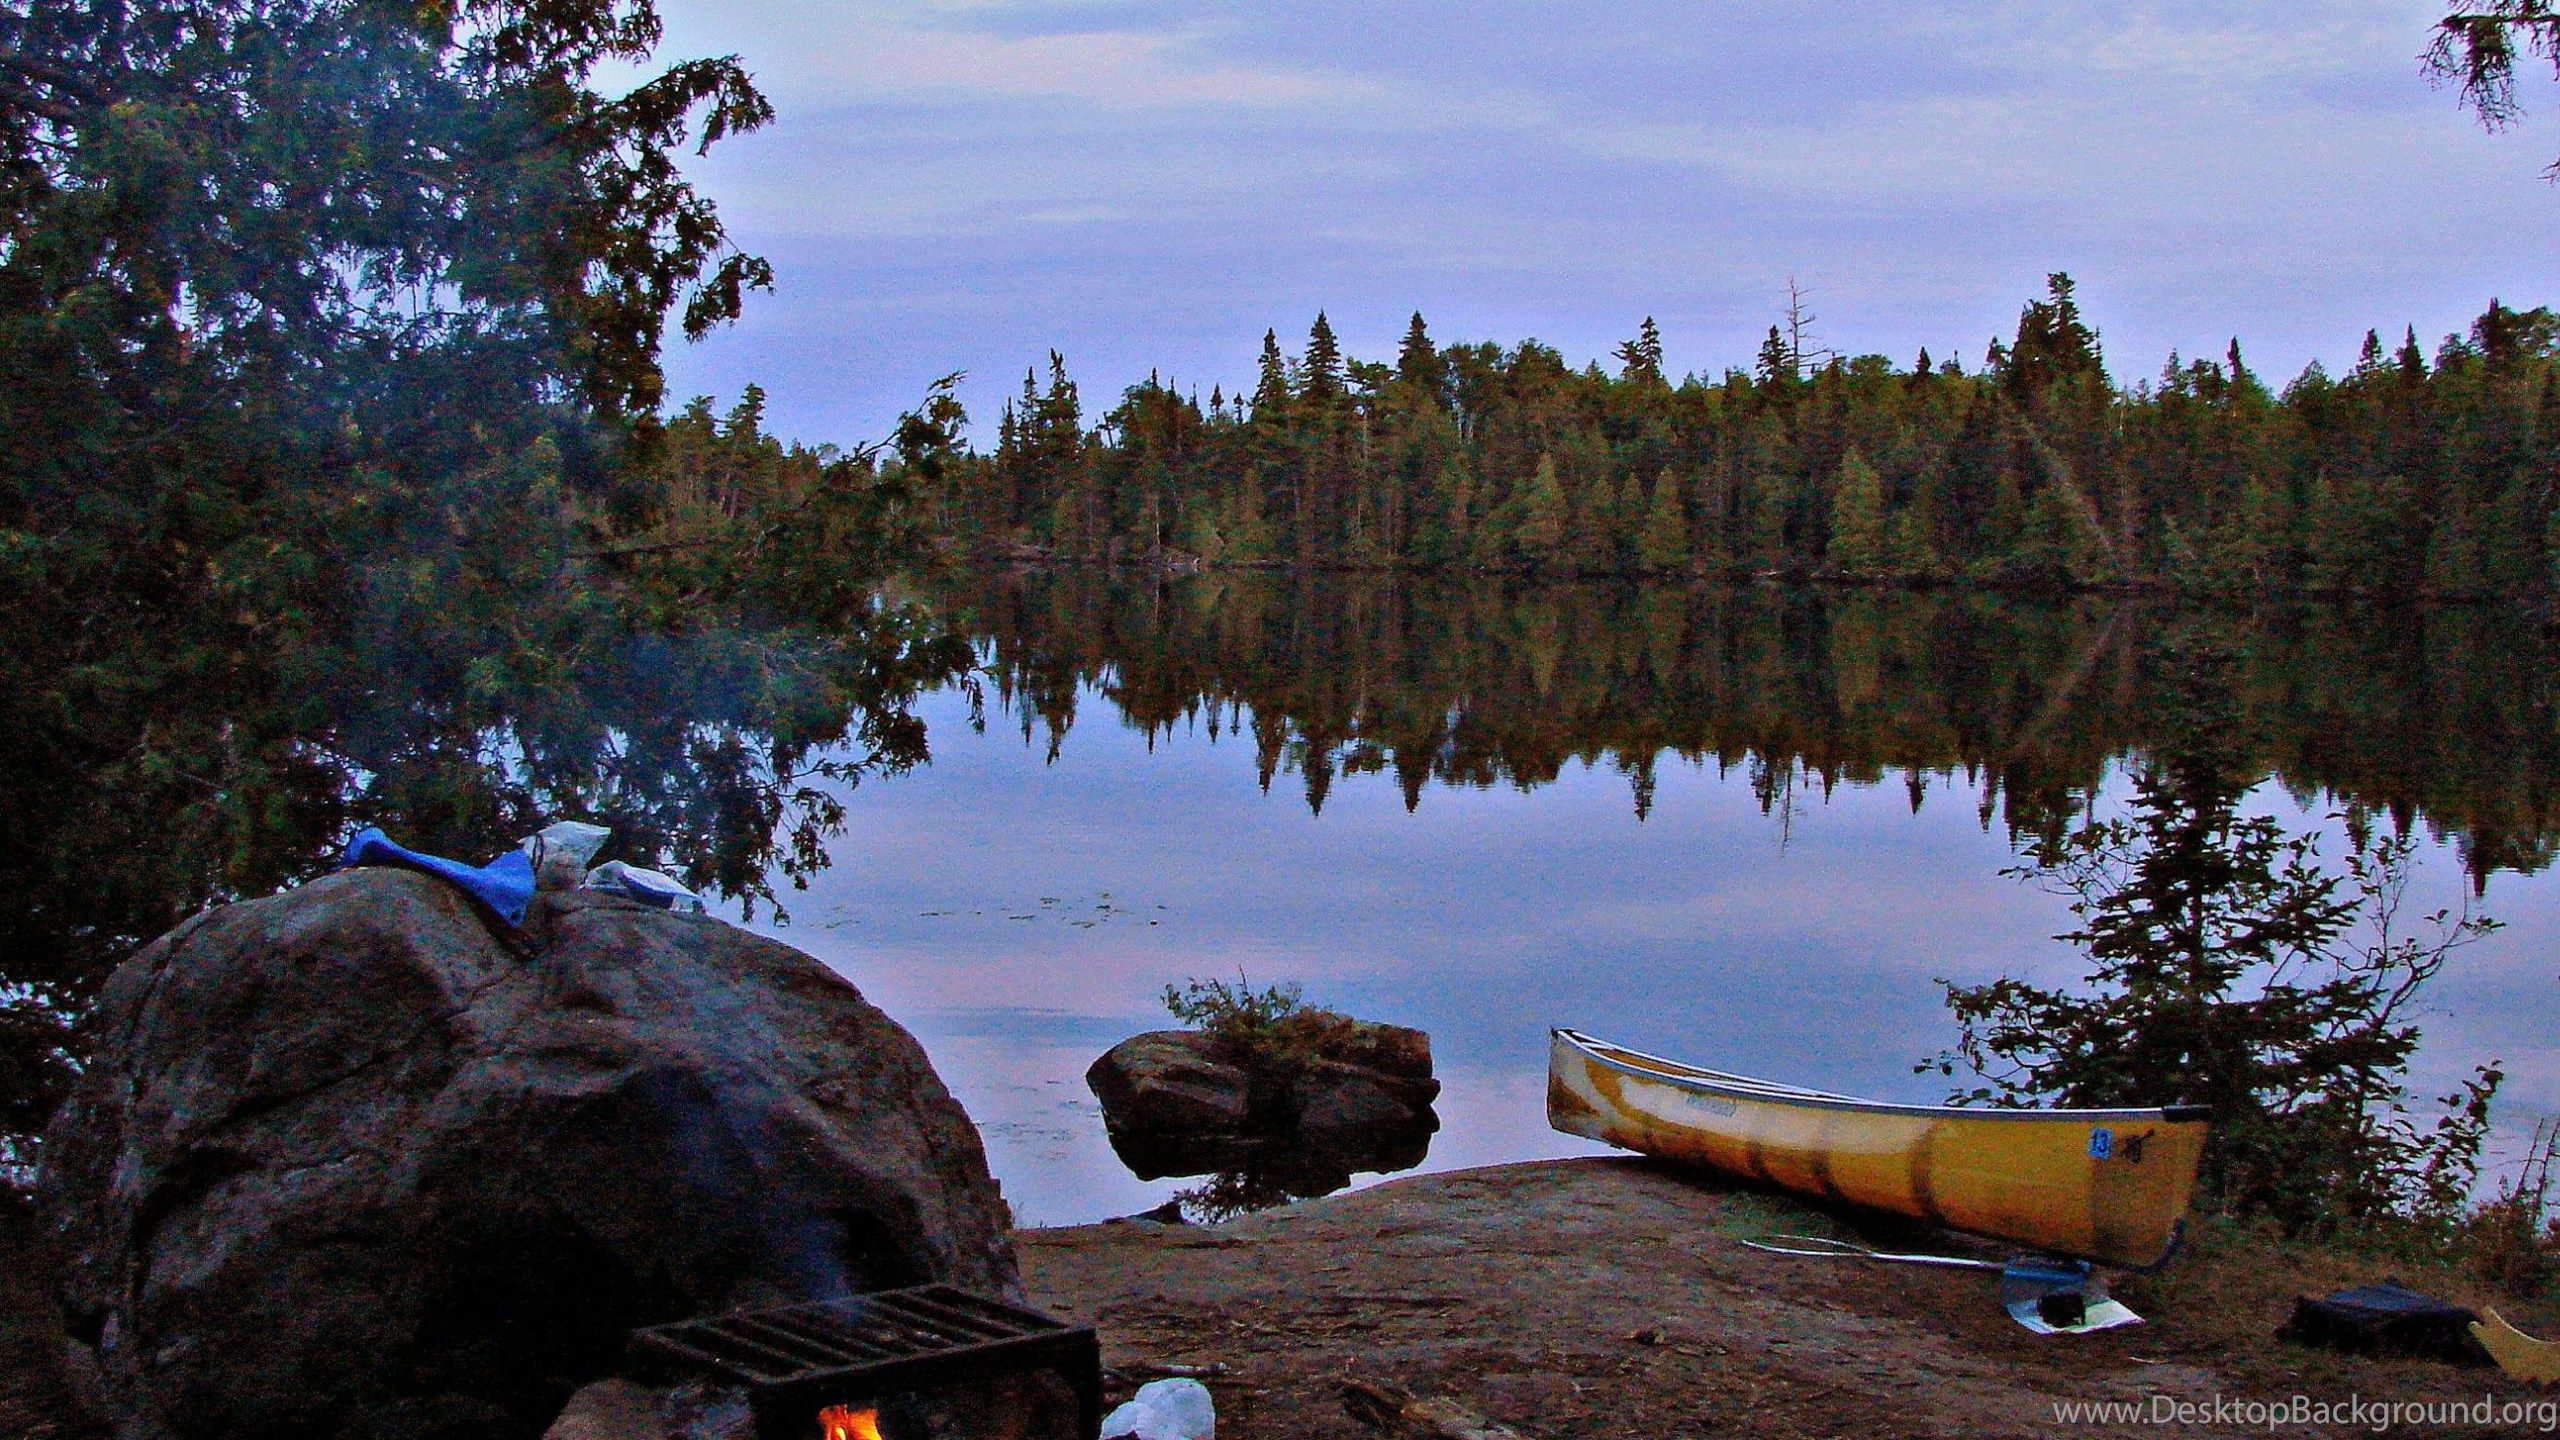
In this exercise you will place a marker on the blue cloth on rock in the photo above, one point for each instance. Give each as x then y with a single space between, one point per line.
504 885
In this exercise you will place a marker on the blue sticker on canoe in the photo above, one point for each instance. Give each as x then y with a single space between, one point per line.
2102 1143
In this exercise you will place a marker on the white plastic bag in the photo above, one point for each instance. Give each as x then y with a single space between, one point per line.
1165 1410
647 886
561 852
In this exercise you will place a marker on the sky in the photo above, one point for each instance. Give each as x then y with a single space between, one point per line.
964 185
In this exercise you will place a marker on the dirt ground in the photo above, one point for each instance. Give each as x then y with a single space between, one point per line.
1615 1298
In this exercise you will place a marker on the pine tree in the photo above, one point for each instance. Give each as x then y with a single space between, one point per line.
1272 397
1545 516
1453 494
1322 386
1857 518
1247 533
1640 359
1419 365
2226 970
2053 346
1776 364
1664 545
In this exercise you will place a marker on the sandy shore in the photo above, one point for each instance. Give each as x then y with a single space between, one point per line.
1615 1298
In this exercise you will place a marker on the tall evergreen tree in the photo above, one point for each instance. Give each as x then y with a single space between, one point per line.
1545 516
1857 545
1640 359
2053 345
1273 397
1418 363
1776 364
1664 543
1322 386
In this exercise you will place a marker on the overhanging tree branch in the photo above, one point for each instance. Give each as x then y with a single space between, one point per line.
2477 48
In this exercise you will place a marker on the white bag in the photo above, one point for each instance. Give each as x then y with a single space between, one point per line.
647 886
1165 1410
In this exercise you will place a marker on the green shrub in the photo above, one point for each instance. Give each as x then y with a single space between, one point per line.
1272 1025
2513 1241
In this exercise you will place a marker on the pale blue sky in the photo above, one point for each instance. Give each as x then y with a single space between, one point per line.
963 185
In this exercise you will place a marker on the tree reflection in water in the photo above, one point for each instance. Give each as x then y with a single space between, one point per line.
2020 704
2019 707
461 717
1258 1173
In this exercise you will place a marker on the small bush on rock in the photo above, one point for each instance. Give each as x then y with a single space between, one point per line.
1270 1026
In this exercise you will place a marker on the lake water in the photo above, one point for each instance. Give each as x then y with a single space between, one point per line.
1749 829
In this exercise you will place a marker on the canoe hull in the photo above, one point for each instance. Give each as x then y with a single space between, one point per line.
2108 1185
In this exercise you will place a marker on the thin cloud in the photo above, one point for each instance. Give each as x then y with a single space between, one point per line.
965 185
835 54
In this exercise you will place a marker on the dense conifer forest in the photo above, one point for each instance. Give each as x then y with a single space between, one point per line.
2414 473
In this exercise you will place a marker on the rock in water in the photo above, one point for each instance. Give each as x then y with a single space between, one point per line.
1361 1076
1174 1082
345 1165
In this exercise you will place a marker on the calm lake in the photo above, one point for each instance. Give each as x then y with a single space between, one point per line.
1745 827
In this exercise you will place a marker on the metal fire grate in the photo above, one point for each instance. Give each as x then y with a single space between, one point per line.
794 1360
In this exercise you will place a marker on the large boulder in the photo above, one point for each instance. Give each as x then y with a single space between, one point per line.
349 1163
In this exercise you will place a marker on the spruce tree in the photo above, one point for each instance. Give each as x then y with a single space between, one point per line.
1419 365
1453 493
1776 364
1857 545
1545 516
1640 359
1664 544
1247 532
1908 553
2054 346
1322 386
2411 359
1272 396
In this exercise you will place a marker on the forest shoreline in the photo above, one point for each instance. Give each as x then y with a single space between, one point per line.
1027 558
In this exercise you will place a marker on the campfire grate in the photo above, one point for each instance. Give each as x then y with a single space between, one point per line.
793 1360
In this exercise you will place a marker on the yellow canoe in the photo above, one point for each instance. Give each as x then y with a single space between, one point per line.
2107 1185
2517 1353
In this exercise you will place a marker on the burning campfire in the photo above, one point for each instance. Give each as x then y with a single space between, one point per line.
843 1422
838 1360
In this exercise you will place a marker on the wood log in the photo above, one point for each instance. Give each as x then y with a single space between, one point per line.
1399 1414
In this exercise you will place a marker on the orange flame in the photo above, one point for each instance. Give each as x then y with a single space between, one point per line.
843 1422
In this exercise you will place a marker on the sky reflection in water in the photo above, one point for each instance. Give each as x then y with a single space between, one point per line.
1021 917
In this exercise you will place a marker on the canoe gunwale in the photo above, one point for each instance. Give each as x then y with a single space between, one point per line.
1743 1087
